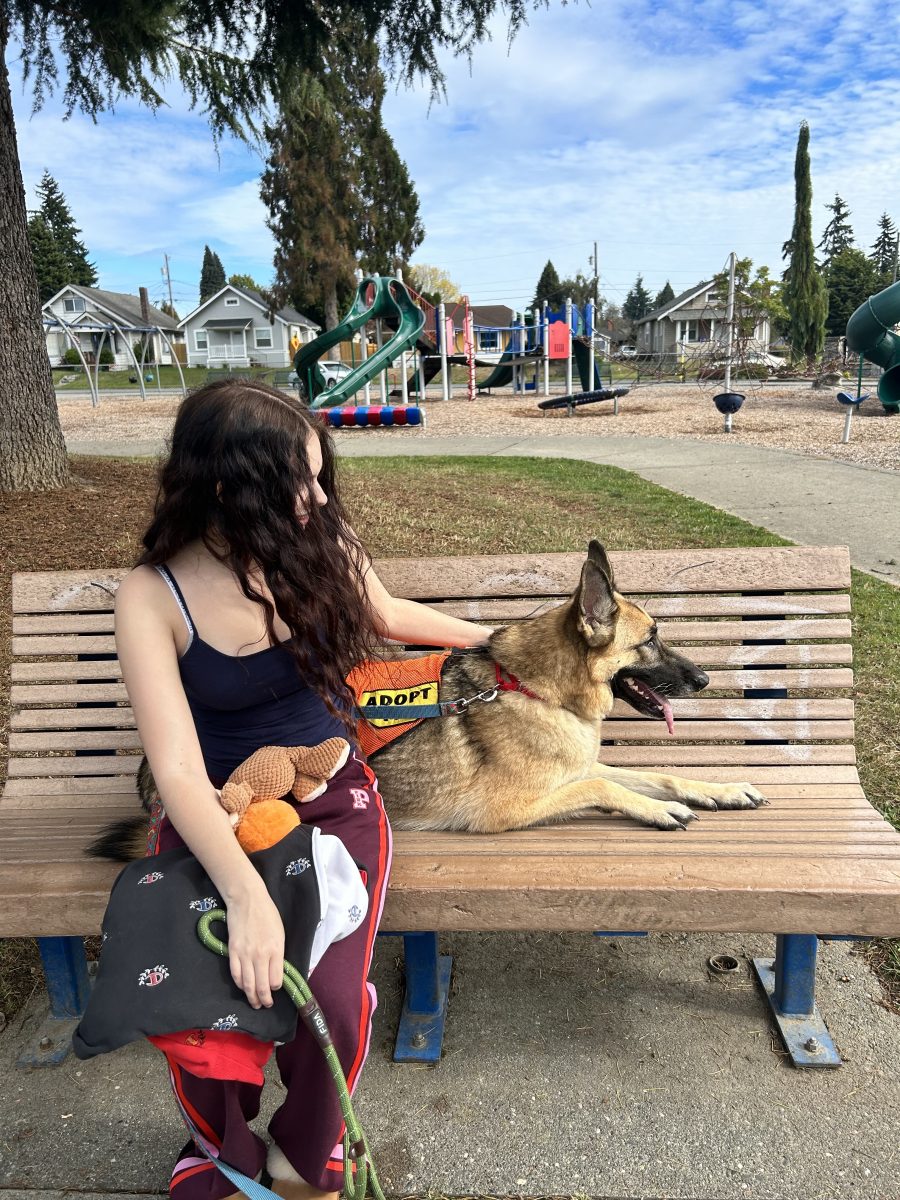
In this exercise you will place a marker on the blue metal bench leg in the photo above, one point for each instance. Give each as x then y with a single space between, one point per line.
789 981
421 1029
68 987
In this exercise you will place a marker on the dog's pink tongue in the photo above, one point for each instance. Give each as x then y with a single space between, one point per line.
666 708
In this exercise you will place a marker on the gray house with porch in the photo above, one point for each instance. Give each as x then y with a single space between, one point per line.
687 324
97 321
233 329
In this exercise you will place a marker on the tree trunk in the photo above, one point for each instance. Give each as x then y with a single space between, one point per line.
32 449
331 305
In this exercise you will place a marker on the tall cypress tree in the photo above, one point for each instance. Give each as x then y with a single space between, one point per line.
339 195
805 296
212 274
838 235
885 247
58 217
548 288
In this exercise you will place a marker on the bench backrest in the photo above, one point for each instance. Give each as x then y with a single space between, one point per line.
771 626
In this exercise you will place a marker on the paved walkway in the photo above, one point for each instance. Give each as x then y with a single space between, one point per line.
809 500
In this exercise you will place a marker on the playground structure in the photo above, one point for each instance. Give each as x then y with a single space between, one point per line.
871 334
146 371
431 334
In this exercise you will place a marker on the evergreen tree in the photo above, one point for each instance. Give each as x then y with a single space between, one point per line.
212 274
885 247
548 288
852 276
664 296
50 264
339 196
60 257
838 235
231 59
637 302
58 216
169 310
804 295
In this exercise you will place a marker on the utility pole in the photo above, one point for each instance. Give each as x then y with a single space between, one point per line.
168 278
595 265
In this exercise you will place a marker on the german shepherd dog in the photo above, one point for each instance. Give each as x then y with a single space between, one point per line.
530 756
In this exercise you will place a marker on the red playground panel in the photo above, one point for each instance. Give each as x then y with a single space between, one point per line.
363 415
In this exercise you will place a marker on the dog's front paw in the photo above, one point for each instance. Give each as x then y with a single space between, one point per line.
736 795
669 815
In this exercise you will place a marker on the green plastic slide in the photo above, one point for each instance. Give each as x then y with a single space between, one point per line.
388 299
583 363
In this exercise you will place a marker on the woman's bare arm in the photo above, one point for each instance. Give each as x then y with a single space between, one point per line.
147 652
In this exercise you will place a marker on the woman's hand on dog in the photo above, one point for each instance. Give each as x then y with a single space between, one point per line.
256 946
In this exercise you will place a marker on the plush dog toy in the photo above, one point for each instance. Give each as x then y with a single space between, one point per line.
252 794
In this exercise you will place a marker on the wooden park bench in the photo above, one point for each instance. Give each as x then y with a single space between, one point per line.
771 626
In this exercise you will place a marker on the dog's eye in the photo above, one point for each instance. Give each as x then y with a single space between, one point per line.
651 641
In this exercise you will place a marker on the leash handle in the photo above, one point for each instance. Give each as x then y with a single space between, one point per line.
356 1148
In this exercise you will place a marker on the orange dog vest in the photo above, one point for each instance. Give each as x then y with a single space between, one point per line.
411 681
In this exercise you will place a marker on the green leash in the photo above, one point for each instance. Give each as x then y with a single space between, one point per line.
356 1149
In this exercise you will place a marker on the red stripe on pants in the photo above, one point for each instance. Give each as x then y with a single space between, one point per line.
309 1123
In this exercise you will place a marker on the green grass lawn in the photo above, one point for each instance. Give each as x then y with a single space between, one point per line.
118 381
455 506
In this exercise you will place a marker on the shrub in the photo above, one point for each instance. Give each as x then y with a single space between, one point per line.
106 357
70 357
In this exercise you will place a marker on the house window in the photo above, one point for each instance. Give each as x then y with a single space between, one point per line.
74 304
263 337
689 331
489 339
200 339
231 302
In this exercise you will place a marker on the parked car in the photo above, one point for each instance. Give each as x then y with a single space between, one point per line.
627 352
334 371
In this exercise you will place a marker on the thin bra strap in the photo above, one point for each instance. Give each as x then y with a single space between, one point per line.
179 600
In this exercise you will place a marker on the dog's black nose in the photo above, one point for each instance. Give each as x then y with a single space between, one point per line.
700 680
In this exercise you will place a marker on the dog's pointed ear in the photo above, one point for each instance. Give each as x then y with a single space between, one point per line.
597 605
598 556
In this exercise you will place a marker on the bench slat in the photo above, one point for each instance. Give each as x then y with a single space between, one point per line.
45 672
113 764
629 726
703 708
659 757
493 609
751 569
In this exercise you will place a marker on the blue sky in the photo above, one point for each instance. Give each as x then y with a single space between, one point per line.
664 130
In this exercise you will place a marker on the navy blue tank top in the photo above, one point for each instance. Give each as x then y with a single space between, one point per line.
240 703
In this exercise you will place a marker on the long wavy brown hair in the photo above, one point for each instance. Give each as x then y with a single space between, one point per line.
236 467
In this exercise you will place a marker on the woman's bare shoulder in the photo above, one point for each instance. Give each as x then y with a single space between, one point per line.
142 588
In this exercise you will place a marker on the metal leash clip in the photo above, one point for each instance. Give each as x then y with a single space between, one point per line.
455 708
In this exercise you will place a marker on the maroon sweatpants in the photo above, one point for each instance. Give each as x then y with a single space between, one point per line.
308 1127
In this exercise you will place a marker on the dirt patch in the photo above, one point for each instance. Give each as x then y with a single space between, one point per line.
789 417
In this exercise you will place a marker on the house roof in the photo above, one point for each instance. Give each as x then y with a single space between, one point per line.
678 301
119 305
493 316
287 315
227 323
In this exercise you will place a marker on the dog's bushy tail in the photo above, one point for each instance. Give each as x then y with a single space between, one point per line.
126 840
122 841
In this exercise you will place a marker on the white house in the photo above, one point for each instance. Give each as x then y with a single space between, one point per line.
233 329
99 320
690 322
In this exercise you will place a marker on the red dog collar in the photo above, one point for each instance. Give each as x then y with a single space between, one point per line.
507 682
